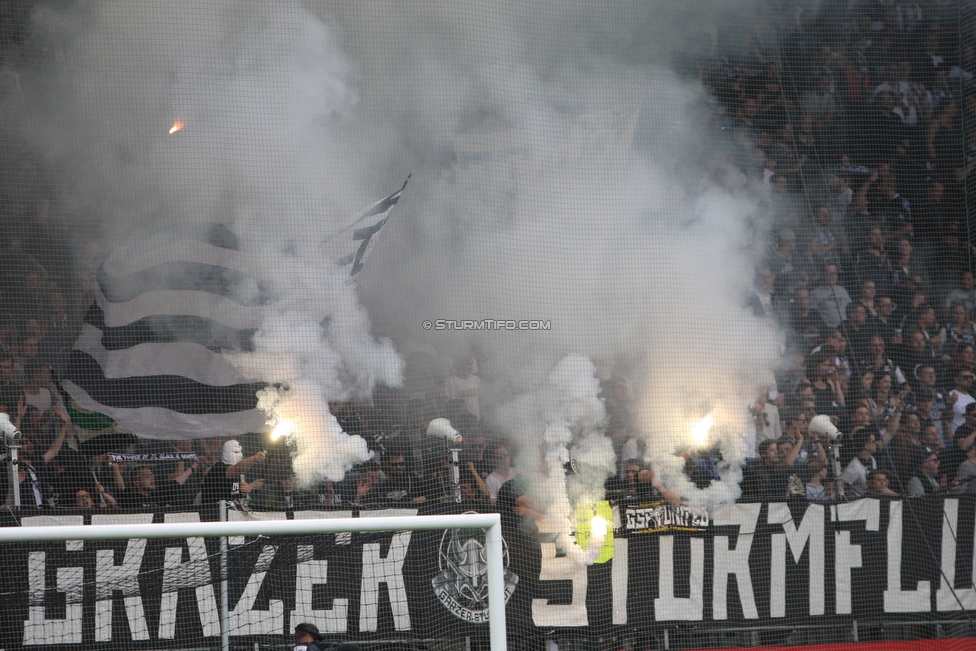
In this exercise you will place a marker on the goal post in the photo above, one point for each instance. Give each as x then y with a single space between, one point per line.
490 523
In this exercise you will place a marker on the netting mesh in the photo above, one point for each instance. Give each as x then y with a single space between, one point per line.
688 289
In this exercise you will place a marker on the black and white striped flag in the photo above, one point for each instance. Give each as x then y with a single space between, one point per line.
363 239
155 349
152 350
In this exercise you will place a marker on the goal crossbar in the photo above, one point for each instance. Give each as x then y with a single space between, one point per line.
490 523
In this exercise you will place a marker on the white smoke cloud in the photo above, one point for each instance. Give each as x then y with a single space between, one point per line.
624 261
315 340
528 201
557 422
554 210
261 89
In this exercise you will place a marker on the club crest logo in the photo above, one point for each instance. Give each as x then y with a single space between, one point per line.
461 584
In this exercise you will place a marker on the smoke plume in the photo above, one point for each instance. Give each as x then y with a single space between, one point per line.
557 176
260 89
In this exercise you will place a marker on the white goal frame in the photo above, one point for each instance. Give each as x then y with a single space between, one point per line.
490 523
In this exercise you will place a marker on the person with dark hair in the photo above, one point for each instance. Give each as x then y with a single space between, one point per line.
786 447
855 475
915 352
856 330
769 479
878 485
812 450
902 447
835 345
816 490
639 485
927 377
143 491
84 499
965 357
928 325
397 484
925 481
473 454
361 485
282 496
307 637
825 380
504 471
927 407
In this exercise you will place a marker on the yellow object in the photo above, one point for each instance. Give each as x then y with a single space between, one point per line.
593 518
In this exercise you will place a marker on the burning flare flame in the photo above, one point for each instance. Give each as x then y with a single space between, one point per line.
598 528
699 431
176 127
285 427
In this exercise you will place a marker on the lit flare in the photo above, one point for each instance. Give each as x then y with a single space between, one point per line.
699 431
284 427
598 528
176 127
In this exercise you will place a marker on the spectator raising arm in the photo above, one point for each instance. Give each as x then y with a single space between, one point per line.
106 501
482 486
242 466
63 431
186 474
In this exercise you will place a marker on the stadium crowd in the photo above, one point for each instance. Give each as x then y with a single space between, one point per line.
853 125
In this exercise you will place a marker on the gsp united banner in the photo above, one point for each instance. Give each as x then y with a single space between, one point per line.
750 565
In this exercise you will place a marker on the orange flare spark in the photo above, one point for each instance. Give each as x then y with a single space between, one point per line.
176 127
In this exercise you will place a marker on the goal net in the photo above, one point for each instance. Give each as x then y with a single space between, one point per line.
693 281
124 582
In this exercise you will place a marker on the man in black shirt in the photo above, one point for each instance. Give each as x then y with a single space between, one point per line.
639 485
142 492
398 485
225 481
769 479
